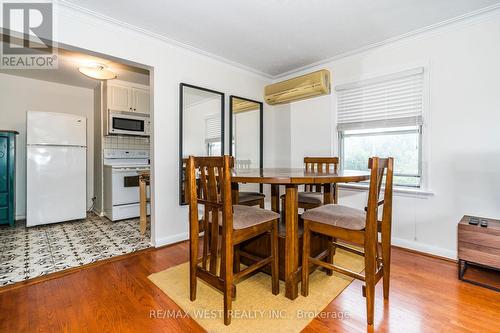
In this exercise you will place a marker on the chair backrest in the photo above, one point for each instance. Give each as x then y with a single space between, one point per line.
209 184
379 167
320 165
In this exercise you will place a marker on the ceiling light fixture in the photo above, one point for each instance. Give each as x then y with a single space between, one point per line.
97 71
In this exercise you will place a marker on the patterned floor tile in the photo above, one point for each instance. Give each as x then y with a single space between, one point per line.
26 253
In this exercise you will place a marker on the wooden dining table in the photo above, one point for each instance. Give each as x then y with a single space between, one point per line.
291 178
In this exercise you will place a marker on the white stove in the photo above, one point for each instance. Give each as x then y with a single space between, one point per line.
121 182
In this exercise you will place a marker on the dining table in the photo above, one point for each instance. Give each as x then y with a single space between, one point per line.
290 179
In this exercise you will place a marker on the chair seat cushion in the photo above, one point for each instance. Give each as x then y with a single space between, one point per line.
246 217
338 216
250 196
309 197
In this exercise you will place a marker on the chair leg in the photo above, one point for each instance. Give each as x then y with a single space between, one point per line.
274 265
330 257
227 253
386 259
305 259
193 258
370 267
261 203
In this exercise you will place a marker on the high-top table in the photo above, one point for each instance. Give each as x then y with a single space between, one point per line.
291 179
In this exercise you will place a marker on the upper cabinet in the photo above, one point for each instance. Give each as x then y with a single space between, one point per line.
140 100
124 97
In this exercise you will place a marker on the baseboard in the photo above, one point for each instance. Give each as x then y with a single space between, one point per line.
171 239
424 248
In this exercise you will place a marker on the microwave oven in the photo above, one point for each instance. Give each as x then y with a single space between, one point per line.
128 123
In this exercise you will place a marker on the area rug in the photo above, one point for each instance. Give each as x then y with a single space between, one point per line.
256 309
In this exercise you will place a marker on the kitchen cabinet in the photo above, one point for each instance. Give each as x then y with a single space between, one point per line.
7 176
140 100
123 97
119 98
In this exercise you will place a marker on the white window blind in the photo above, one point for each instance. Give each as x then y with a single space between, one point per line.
394 100
213 128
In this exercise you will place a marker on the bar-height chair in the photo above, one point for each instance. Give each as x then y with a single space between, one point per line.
249 198
312 196
358 227
229 225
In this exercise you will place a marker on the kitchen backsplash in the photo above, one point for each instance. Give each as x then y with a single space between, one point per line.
126 142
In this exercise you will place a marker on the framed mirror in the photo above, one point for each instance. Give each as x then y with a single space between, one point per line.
246 133
201 127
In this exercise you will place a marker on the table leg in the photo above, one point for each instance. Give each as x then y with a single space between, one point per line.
329 198
143 206
291 241
235 193
275 198
327 194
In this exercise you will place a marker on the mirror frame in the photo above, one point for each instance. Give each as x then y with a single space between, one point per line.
261 127
181 124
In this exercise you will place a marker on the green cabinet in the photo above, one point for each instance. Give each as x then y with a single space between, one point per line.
7 176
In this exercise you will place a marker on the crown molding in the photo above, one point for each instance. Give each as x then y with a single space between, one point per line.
406 36
163 38
392 40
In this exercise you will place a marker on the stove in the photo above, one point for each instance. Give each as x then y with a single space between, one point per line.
121 182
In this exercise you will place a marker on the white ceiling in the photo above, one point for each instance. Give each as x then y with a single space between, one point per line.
67 70
276 36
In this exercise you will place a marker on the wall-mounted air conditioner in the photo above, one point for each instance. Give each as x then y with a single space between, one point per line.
301 87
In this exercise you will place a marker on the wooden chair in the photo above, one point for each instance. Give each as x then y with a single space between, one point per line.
232 224
312 196
249 198
358 227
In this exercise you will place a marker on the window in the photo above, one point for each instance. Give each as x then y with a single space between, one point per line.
213 139
383 117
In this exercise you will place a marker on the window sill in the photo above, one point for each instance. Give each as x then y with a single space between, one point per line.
404 191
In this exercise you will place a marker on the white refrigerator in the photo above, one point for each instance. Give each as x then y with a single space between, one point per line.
56 166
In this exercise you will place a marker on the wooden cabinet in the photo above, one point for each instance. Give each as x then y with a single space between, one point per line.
7 176
122 97
478 246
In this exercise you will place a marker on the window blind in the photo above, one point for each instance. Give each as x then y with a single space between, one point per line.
394 100
213 128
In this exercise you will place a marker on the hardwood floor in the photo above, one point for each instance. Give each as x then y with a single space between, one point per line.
116 296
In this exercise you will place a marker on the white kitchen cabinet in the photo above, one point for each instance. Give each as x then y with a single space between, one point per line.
121 97
140 100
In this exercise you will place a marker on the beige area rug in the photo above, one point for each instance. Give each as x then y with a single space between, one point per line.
256 309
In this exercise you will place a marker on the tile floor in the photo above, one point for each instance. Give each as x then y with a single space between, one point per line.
26 253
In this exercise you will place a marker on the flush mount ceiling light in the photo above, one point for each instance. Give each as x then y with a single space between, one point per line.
97 71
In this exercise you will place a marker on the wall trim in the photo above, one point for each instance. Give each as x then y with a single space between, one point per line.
171 239
425 248
491 10
163 38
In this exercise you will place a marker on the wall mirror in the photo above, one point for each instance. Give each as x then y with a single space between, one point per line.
201 127
246 128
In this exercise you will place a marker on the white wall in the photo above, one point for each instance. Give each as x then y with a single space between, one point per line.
171 66
461 131
17 95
